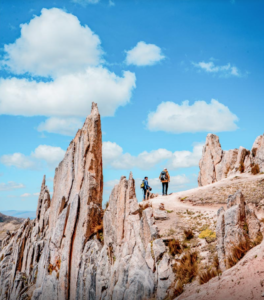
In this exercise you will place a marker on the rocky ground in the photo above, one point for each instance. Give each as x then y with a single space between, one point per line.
8 223
196 209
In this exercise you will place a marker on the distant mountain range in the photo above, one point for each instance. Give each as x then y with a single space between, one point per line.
20 214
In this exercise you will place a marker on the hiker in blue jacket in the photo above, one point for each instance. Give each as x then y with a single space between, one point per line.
146 187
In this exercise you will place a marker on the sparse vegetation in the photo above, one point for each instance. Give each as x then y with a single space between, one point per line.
258 239
56 268
255 169
143 207
188 234
97 227
241 167
182 199
2 257
175 247
189 212
207 274
98 230
208 235
238 252
50 268
186 268
169 211
227 171
176 290
170 232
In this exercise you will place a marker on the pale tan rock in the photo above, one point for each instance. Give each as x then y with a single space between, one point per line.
243 281
211 157
257 152
227 164
160 214
57 256
161 206
235 225
253 223
217 164
158 249
220 235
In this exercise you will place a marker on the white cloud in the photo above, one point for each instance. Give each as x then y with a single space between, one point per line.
18 160
175 118
43 154
111 3
52 44
69 95
111 151
65 126
11 185
144 55
51 155
111 183
226 70
175 181
186 159
113 157
85 2
55 45
26 195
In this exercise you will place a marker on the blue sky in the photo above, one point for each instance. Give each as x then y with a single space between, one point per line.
141 61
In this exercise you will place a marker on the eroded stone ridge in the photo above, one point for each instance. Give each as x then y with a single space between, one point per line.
217 164
236 226
59 256
20 256
42 260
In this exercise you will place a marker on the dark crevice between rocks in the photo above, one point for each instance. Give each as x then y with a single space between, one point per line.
65 224
71 247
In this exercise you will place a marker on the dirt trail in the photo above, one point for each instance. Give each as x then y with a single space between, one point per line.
198 207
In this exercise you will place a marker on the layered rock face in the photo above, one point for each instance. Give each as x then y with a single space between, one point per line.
59 256
132 264
21 252
217 164
238 224
48 251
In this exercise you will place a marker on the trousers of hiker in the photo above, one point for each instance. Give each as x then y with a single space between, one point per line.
165 179
165 186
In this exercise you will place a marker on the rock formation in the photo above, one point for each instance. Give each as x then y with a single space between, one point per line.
61 254
237 228
238 224
217 164
8 225
22 250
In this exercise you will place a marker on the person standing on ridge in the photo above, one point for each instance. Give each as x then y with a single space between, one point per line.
165 179
145 186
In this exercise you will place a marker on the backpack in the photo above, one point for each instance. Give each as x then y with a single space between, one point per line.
163 176
142 184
